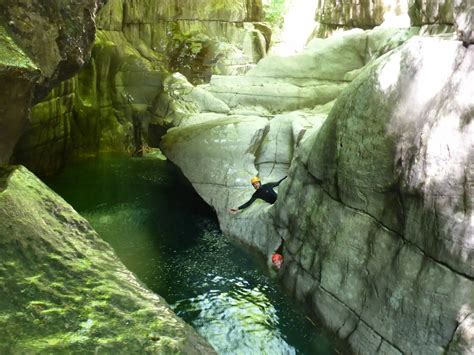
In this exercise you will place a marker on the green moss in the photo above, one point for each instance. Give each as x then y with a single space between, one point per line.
11 55
275 12
223 5
79 296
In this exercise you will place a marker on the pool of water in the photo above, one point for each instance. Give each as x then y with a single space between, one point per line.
170 239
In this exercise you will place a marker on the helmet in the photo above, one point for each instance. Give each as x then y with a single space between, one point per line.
255 179
277 258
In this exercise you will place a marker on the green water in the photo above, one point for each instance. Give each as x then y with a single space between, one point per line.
165 234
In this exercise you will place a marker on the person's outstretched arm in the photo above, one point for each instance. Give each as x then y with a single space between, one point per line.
275 184
245 205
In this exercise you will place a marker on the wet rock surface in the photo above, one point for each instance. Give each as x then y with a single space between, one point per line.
34 60
64 289
377 211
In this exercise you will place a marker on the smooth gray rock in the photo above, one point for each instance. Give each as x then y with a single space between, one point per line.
313 77
377 211
392 220
181 104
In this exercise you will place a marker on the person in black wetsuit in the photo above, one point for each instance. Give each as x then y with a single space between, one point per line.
264 192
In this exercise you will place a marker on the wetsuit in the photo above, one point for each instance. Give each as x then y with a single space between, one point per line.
265 193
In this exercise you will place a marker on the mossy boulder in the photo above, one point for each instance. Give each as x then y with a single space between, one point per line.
64 289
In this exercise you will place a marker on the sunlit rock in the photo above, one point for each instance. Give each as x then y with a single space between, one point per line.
464 21
376 214
313 77
64 289
389 211
181 100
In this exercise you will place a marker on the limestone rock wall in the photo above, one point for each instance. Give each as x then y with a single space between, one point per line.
137 45
40 45
376 214
63 288
333 15
388 217
431 12
438 15
362 14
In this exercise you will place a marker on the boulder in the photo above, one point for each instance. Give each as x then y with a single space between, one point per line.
389 262
63 44
64 289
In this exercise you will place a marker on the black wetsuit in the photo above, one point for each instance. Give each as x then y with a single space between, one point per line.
265 192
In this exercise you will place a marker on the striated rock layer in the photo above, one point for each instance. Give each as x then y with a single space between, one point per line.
63 288
377 213
40 45
116 95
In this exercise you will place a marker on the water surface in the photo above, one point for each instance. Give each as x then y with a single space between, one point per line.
170 239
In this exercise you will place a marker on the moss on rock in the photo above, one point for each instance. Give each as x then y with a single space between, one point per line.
63 287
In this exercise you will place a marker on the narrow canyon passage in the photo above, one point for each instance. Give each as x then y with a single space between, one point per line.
167 236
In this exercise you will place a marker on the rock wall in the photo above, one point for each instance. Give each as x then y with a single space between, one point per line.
376 215
137 45
32 61
438 15
431 12
63 288
390 218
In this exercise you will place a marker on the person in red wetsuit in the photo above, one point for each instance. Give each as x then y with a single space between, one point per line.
264 192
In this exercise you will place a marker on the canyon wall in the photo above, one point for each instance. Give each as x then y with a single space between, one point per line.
376 214
114 99
32 60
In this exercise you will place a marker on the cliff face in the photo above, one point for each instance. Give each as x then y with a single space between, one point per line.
376 214
333 15
58 36
34 60
118 92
